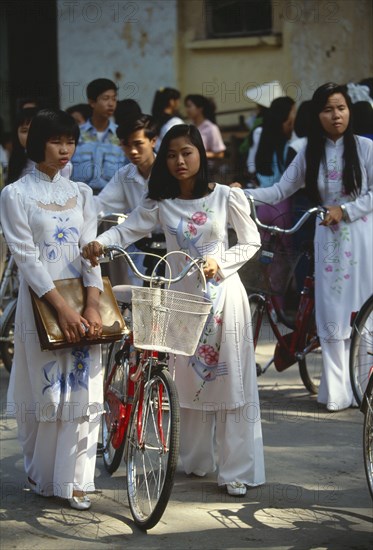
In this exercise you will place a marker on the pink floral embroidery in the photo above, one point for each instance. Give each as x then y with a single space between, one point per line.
199 218
364 218
329 268
347 276
348 254
192 230
212 358
218 320
204 350
334 175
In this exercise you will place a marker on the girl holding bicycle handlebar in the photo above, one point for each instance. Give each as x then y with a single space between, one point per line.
217 386
337 170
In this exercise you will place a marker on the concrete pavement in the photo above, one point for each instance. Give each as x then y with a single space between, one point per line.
316 495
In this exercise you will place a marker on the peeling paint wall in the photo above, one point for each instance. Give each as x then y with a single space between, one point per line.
330 41
317 41
132 43
147 44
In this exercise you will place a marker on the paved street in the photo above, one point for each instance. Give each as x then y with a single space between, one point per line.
316 496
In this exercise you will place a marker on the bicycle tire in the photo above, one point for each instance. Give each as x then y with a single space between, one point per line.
114 395
151 464
310 367
368 436
361 350
7 331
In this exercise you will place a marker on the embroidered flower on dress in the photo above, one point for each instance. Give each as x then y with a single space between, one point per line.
329 268
191 228
80 371
199 218
61 235
334 175
204 350
211 358
55 380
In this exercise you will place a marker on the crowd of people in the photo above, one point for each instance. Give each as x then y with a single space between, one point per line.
67 168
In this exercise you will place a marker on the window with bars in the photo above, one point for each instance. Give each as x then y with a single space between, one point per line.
233 18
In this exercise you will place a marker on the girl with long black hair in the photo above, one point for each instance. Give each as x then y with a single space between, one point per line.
336 168
217 386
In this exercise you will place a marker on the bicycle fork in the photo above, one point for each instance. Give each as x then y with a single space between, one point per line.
143 402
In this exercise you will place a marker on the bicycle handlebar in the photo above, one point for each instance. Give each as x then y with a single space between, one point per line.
107 215
110 250
291 230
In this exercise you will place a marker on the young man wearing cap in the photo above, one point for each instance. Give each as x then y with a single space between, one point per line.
98 154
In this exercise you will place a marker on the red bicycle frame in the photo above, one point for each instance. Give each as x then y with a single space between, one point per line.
290 347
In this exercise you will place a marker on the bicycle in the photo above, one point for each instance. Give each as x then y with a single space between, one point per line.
367 410
141 408
361 349
267 277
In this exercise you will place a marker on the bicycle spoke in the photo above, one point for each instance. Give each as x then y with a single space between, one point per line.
152 451
112 422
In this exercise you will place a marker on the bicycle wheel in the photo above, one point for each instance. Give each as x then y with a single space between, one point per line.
153 448
368 436
361 350
310 367
7 335
112 421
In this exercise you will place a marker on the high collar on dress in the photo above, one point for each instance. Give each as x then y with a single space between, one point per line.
334 144
40 187
42 176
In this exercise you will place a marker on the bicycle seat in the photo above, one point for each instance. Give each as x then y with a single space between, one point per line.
123 293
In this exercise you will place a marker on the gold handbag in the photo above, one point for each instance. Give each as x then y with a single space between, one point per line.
50 335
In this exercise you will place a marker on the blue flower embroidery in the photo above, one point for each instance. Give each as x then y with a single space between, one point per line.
61 235
54 380
78 377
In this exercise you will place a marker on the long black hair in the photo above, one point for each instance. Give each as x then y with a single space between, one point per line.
315 151
162 185
273 139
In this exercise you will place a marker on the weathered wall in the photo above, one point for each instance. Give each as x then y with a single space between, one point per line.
317 41
132 43
330 41
145 44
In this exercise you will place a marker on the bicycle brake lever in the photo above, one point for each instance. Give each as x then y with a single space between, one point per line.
322 213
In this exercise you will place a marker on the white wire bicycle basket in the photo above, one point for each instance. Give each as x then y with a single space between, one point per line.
168 320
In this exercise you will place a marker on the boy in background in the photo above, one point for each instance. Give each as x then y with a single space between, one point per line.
98 154
124 191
